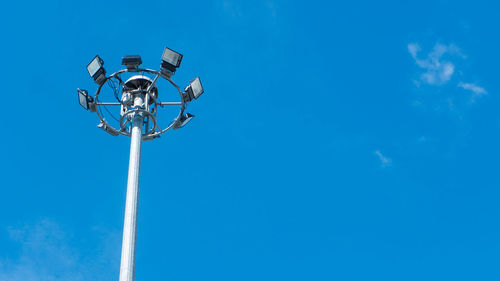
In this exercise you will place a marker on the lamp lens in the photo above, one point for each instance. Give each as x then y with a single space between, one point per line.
171 57
196 87
94 66
83 100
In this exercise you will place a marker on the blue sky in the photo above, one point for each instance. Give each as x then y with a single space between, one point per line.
334 141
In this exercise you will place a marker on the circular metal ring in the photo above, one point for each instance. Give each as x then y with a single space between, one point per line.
143 70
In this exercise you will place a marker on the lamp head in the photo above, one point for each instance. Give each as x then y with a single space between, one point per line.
96 70
132 62
170 61
85 100
194 90
184 120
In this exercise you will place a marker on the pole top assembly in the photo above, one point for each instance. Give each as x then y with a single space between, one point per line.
135 90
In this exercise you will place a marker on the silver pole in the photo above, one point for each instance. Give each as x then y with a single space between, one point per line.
127 267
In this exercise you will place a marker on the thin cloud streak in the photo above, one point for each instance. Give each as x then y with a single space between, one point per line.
384 161
475 89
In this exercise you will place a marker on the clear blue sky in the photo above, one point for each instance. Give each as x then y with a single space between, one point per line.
334 141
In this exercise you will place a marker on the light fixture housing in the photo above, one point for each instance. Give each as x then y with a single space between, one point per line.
85 100
110 130
150 137
194 90
170 61
183 120
132 62
96 70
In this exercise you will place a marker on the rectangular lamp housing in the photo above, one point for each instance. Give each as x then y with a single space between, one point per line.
84 99
184 120
132 61
95 67
171 60
110 130
194 90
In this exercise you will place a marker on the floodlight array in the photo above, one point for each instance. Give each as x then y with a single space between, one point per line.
170 61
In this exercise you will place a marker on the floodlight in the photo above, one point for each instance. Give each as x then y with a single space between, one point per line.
184 120
110 130
132 61
170 61
85 100
150 137
194 90
96 70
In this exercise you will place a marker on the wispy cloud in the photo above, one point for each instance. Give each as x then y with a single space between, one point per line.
476 90
436 70
384 160
46 255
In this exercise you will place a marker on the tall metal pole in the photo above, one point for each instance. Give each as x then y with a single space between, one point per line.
127 267
139 88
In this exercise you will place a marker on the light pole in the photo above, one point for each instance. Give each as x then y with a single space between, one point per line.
138 101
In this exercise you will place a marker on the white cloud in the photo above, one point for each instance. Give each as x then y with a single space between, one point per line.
45 255
414 48
476 90
437 70
384 160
